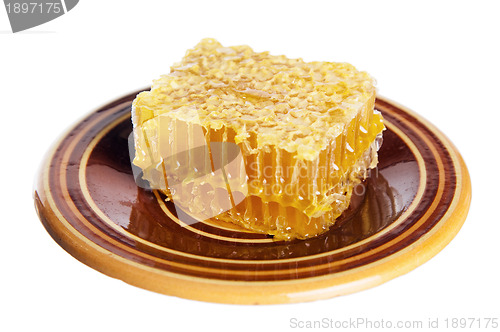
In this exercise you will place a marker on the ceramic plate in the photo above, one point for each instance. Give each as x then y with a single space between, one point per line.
413 204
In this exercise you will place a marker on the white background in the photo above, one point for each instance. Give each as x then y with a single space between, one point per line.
439 58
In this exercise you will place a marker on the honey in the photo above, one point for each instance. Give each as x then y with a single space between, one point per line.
294 138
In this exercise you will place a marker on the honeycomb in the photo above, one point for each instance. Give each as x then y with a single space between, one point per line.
305 134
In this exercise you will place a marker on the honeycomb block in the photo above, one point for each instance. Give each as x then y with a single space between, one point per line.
294 138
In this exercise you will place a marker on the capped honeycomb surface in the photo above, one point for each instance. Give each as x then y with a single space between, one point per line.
307 133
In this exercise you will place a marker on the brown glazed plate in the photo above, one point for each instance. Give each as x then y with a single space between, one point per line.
410 208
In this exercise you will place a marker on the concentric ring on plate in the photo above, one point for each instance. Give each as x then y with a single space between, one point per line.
410 208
